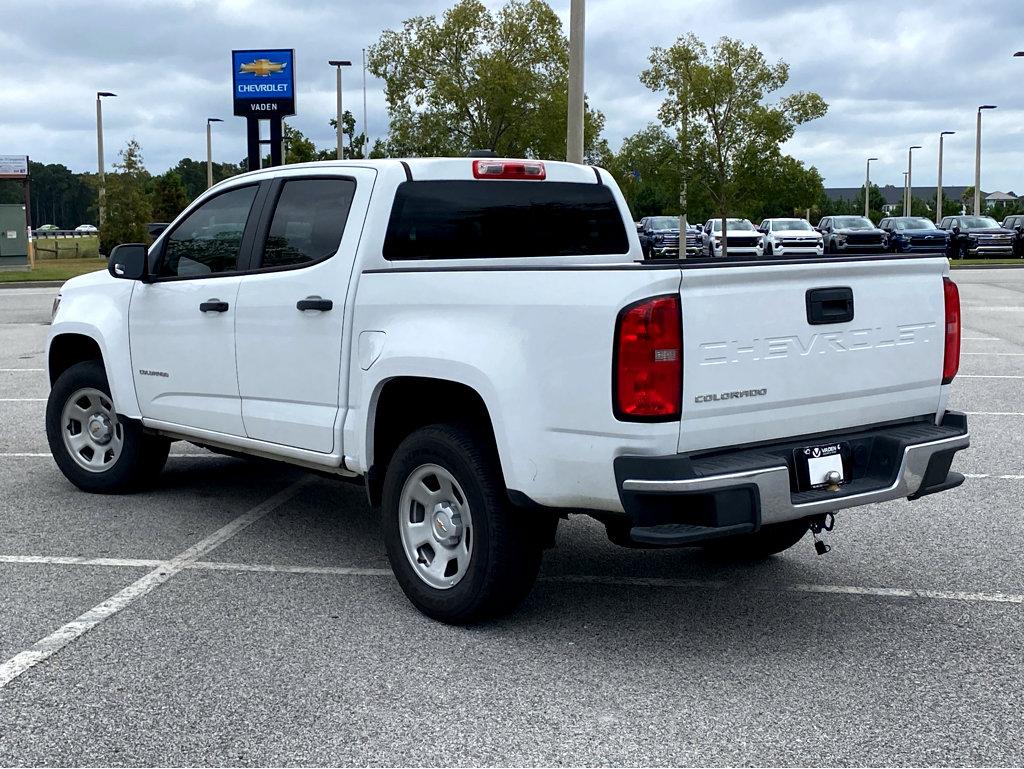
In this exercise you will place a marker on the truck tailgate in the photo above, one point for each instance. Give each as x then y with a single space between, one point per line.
755 368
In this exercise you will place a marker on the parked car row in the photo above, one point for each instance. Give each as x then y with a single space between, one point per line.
959 237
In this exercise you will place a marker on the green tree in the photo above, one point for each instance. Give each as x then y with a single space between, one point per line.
128 203
875 202
715 99
169 196
967 198
193 174
776 186
354 146
479 80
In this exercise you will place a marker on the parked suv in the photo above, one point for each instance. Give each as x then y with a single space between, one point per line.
1016 224
907 234
790 237
660 237
851 235
744 239
480 343
977 237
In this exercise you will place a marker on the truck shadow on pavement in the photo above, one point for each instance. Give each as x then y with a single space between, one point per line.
330 524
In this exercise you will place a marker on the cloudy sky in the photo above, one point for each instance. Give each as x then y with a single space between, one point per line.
894 74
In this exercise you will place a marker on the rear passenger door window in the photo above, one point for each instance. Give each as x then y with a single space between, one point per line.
209 241
308 221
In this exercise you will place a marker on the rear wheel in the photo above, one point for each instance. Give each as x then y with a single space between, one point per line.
94 448
767 541
458 550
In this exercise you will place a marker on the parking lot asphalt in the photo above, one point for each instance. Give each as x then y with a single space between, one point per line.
283 639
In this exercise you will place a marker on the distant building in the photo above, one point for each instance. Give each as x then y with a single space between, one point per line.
894 195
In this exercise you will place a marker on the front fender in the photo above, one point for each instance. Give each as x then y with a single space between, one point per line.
98 309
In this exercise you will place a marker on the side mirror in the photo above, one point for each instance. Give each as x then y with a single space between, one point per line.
1019 228
128 261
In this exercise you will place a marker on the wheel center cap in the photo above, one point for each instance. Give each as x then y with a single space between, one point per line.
446 523
99 428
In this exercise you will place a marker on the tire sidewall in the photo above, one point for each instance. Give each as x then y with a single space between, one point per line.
139 453
434 445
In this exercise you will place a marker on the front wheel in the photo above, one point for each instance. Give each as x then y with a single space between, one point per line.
767 541
459 551
94 448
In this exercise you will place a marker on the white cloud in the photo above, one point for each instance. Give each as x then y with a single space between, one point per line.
893 76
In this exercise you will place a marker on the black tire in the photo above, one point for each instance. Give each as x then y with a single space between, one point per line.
141 456
505 556
763 543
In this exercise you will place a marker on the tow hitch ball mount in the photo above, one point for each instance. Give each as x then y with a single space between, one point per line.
818 524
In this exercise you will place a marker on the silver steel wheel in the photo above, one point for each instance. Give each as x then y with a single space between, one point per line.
92 435
436 526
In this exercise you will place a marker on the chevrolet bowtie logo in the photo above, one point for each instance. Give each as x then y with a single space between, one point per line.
263 67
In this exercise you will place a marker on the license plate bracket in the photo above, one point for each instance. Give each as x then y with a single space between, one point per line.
813 463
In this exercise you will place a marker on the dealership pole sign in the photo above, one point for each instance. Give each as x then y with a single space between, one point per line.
263 88
13 166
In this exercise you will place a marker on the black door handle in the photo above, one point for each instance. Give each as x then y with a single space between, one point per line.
314 303
213 305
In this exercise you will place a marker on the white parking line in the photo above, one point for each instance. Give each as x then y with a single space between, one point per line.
11 370
997 354
46 647
980 339
995 413
990 376
585 579
22 400
1000 477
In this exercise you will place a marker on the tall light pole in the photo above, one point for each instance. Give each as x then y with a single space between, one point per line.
209 150
574 129
938 184
99 156
904 193
977 161
910 180
366 126
867 189
338 64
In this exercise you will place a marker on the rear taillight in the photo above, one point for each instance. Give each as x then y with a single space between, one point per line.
508 169
648 366
951 356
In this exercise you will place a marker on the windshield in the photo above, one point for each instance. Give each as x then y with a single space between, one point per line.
790 224
853 223
914 223
734 224
663 223
978 222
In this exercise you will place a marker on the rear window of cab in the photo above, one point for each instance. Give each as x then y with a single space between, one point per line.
459 219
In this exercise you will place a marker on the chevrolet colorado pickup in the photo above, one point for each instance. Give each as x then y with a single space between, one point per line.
481 343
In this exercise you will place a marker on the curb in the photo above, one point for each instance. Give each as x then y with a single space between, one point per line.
32 284
986 266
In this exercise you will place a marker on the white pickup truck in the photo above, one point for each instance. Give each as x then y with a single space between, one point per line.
483 345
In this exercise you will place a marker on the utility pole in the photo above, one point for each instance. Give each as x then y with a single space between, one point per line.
99 157
867 190
209 150
574 130
908 209
977 161
338 64
366 125
938 184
